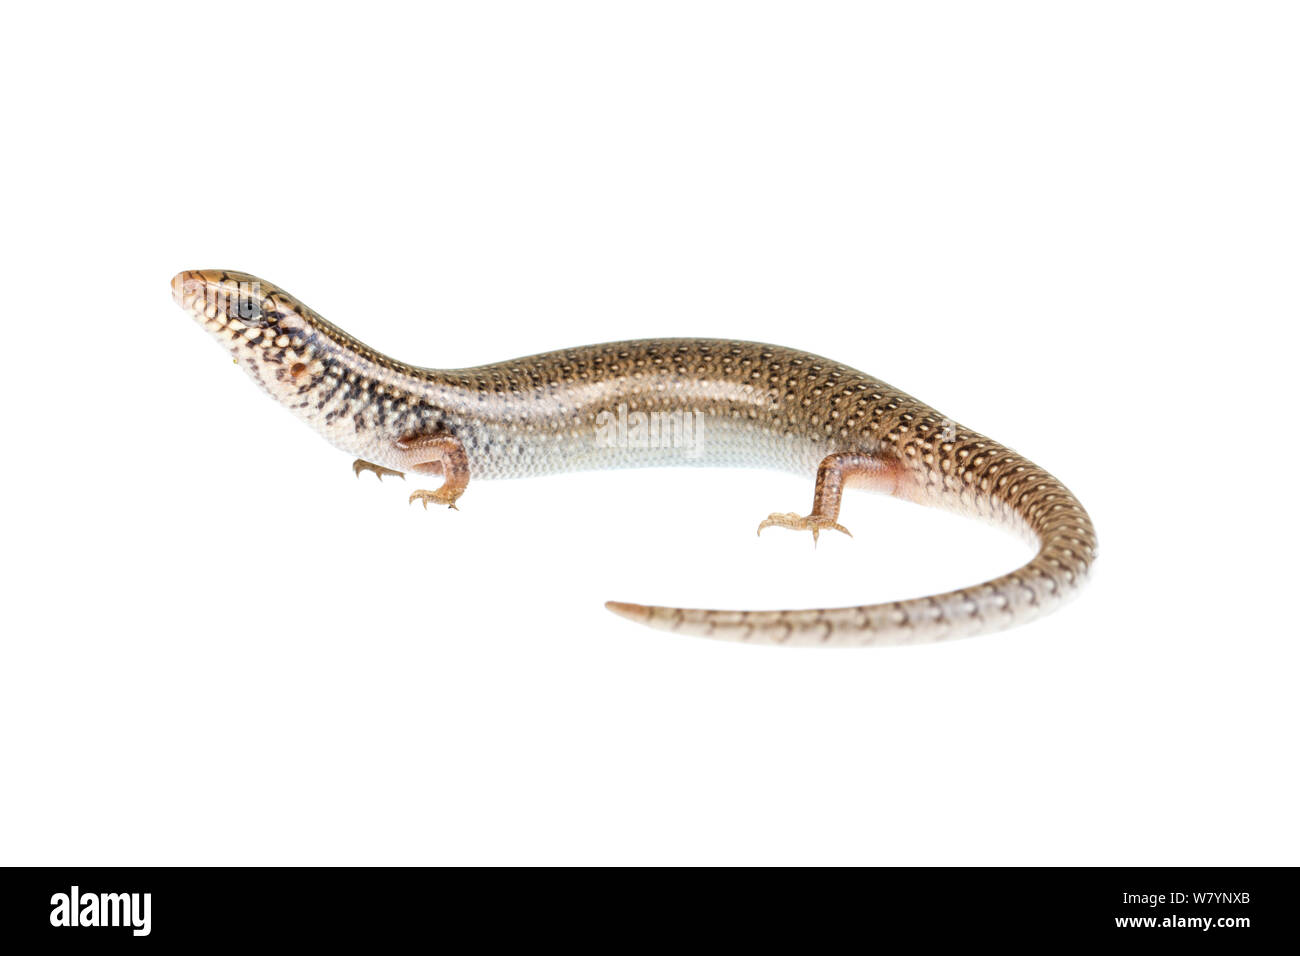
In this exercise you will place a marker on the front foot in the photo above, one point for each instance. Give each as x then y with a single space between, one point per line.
440 496
361 465
814 523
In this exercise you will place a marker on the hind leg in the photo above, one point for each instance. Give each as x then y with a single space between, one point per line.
834 474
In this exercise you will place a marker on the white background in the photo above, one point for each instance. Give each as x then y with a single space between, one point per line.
1072 227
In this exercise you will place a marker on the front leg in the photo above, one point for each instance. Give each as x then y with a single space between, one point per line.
834 474
437 455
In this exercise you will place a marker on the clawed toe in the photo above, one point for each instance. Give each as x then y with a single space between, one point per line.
438 497
814 523
787 520
361 465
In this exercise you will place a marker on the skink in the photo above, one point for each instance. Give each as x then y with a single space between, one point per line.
668 402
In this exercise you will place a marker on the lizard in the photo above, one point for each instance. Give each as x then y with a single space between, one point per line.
671 401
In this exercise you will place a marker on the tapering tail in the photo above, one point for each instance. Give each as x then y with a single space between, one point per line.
1017 492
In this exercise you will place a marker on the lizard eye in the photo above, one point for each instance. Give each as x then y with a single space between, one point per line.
248 310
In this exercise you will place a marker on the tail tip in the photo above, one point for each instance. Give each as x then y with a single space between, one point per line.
633 612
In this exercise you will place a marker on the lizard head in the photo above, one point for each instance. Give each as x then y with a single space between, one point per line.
272 336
